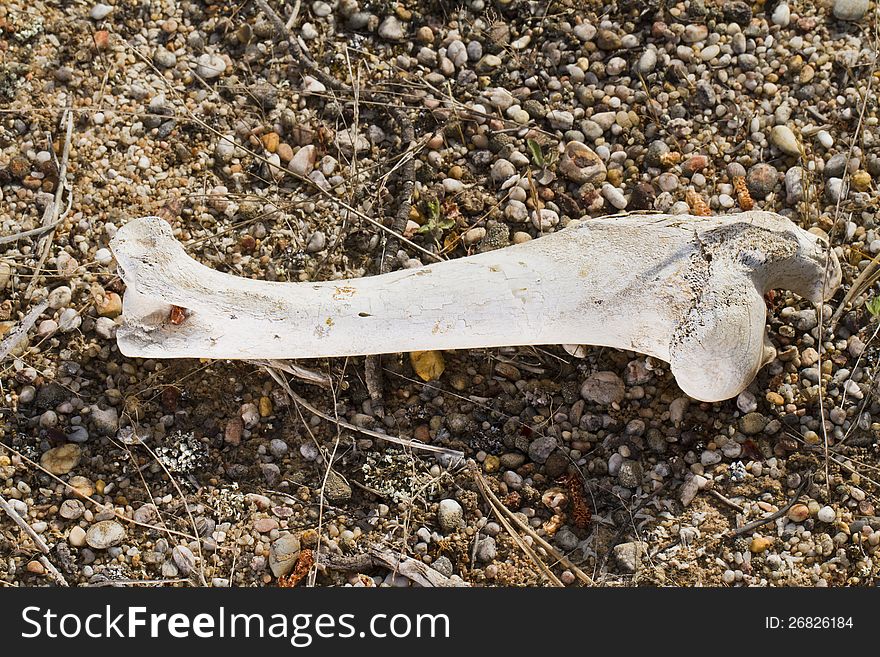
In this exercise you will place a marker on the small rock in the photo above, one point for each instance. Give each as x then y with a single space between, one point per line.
794 185
629 555
184 559
486 550
608 40
647 62
450 515
100 11
106 421
850 10
61 460
746 402
303 161
71 509
488 63
336 488
265 525
105 534
277 448
826 514
77 537
752 423
60 297
603 388
164 58
317 242
225 148
783 138
761 180
502 170
69 320
760 544
781 15
233 431
630 473
391 29
580 164
541 448
210 66
560 119
283 554
614 196
798 513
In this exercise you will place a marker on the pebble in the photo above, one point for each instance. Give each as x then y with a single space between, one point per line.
603 388
210 66
614 196
761 180
781 15
629 555
560 119
450 515
105 421
265 525
277 448
794 185
630 473
61 460
303 161
47 327
105 327
184 559
164 59
104 257
225 148
541 448
798 513
487 550
71 509
283 554
826 514
850 10
746 402
100 11
752 423
336 489
105 534
647 62
760 544
60 297
502 170
77 537
580 164
391 29
783 138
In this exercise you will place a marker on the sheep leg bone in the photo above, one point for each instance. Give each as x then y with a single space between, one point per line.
687 290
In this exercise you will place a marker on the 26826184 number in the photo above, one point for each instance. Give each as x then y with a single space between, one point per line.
819 622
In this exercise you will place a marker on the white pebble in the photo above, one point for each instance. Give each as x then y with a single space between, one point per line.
826 514
100 11
103 256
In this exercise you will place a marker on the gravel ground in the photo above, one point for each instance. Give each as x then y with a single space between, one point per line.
277 160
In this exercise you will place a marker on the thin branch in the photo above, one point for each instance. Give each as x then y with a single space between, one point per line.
51 217
745 529
15 336
21 522
413 444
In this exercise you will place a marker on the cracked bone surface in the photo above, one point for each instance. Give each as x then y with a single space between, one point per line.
688 290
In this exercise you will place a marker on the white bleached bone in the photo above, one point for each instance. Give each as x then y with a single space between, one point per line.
687 290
